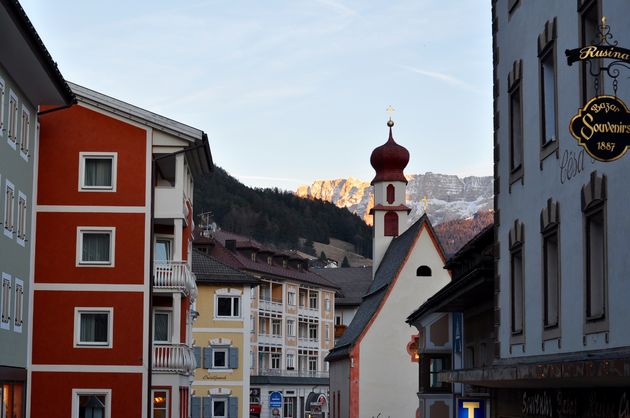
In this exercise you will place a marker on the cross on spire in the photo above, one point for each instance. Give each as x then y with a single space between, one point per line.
389 111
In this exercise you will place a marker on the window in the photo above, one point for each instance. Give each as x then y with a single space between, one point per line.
263 325
25 133
312 300
312 364
549 221
437 365
327 333
276 327
95 246
517 286
9 203
5 300
290 328
21 219
327 304
91 403
13 120
338 320
391 224
391 193
163 249
98 171
516 121
312 332
162 326
220 358
290 361
160 404
423 271
18 306
219 408
2 90
291 298
228 307
275 360
253 256
269 260
252 324
548 93
589 33
93 327
596 253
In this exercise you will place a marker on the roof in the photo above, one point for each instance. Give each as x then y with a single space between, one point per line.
388 270
208 269
239 260
30 63
198 153
353 283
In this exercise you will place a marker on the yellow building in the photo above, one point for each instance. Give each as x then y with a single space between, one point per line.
221 334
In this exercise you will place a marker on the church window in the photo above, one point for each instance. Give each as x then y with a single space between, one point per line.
391 193
391 224
424 271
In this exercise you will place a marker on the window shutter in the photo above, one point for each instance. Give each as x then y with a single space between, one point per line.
207 357
207 407
195 407
233 358
197 353
232 407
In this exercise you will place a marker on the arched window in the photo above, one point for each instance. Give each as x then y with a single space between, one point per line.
391 193
391 224
423 271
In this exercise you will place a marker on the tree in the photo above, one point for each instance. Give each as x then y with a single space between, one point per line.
345 262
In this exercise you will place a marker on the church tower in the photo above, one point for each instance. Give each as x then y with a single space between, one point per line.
389 212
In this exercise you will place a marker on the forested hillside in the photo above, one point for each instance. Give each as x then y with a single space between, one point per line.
454 234
276 217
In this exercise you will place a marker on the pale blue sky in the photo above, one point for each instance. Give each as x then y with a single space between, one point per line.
296 90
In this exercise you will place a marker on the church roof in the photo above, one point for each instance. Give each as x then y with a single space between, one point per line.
389 160
389 269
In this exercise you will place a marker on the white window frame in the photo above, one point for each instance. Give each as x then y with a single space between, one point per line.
2 92
5 300
22 212
276 325
231 317
112 246
290 361
290 327
168 312
224 401
12 133
227 357
100 391
327 331
9 210
327 303
97 155
291 297
77 327
313 295
24 150
18 305
166 391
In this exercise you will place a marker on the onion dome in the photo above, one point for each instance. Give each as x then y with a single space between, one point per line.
389 160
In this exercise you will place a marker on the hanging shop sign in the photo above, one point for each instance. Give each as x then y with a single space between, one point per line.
602 128
591 52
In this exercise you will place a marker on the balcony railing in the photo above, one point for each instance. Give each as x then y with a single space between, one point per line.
292 373
174 358
270 339
270 304
174 275
308 342
308 311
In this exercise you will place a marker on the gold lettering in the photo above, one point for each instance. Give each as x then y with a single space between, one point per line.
588 52
587 120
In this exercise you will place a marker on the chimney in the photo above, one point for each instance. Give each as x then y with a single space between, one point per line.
230 244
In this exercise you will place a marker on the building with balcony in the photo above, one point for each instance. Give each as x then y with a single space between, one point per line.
456 330
222 342
29 79
353 283
373 367
291 322
113 287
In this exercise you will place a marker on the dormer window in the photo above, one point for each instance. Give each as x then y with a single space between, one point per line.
299 266
284 263
270 260
253 257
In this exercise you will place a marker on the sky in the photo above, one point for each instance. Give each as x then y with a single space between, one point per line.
296 90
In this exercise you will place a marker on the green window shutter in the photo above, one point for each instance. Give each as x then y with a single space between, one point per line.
233 358
197 353
207 357
232 407
207 407
195 407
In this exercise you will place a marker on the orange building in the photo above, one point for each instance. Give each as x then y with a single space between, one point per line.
113 288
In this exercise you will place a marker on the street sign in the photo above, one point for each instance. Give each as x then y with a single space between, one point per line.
275 399
471 408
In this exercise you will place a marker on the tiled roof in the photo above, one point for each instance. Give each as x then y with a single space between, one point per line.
388 270
238 260
353 283
208 269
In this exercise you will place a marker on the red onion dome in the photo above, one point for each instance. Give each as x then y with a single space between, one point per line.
389 160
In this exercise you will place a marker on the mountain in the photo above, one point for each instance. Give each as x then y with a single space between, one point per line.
449 197
275 217
454 234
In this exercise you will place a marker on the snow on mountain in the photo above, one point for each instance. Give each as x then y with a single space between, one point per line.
448 196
